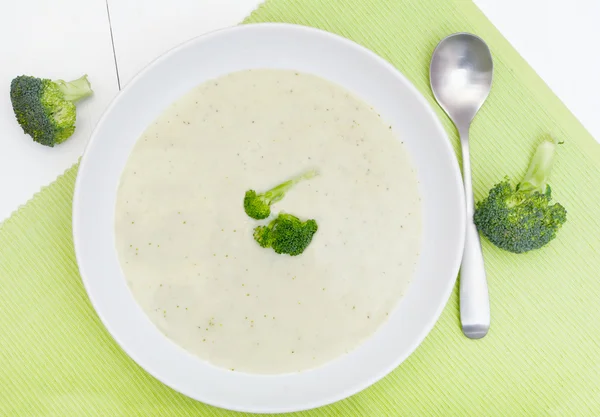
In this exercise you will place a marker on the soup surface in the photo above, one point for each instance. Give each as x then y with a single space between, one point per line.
185 243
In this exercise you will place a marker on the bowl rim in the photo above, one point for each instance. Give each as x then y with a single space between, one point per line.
359 386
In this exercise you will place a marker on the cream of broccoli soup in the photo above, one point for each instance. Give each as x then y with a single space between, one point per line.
186 245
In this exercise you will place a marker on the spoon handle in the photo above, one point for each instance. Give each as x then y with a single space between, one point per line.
474 297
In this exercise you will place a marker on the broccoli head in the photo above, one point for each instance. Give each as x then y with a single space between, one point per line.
522 218
258 206
286 234
45 109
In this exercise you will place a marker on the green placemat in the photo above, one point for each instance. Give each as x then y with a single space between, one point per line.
542 357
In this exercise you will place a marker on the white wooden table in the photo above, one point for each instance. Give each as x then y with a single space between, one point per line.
111 40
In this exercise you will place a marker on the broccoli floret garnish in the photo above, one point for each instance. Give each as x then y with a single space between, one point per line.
286 234
45 109
522 218
258 206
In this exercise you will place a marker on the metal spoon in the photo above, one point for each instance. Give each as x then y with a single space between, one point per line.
461 79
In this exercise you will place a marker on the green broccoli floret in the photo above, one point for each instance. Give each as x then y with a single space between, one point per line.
286 234
521 219
258 206
45 109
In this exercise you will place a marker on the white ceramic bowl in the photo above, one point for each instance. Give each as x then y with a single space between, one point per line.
269 46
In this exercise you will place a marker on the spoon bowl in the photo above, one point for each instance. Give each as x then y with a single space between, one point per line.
461 75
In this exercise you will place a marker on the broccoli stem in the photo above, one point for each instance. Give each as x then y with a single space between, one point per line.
75 90
277 193
536 178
